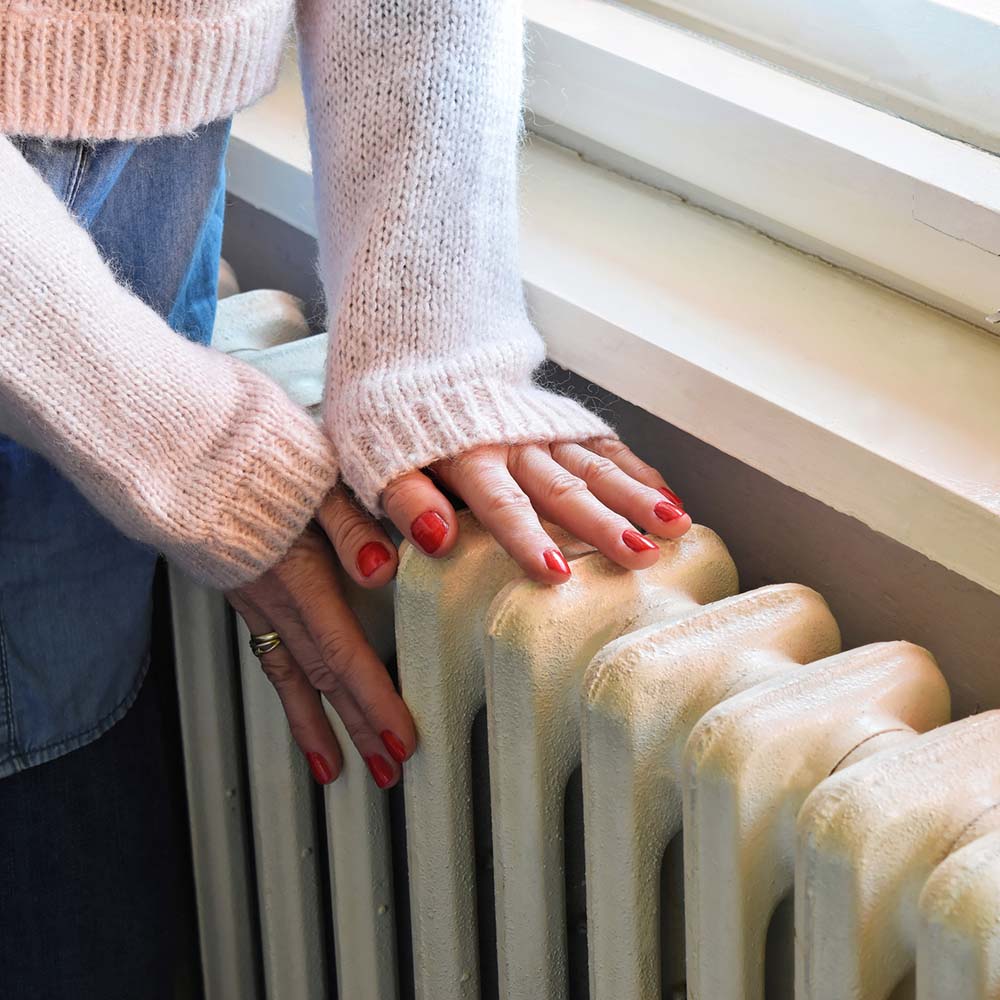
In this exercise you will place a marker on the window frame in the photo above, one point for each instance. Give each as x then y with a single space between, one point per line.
929 61
862 188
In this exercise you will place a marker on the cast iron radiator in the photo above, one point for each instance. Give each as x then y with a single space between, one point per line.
692 791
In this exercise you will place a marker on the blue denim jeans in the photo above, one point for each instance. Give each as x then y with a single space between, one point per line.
88 850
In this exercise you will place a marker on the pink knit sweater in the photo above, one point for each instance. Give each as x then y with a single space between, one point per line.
414 118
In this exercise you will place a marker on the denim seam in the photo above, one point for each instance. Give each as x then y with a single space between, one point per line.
21 761
8 701
77 175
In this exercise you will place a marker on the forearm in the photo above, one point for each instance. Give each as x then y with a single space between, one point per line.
178 445
414 117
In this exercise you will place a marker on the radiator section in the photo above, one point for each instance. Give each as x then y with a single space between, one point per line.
810 787
868 839
541 640
285 843
358 845
642 695
749 765
441 617
958 953
213 740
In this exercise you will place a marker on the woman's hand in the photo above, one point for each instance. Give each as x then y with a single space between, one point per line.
323 648
598 491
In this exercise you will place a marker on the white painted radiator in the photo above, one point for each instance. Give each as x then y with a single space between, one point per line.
836 833
631 787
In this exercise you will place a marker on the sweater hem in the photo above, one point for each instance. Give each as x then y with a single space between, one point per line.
98 76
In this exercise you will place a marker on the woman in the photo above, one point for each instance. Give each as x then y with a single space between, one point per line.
124 438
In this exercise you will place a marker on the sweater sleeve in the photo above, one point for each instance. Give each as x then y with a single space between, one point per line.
178 445
414 113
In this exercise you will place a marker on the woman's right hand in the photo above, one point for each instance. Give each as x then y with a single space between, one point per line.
323 648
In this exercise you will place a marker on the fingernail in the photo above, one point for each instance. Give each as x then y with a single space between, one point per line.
637 542
394 745
319 767
380 769
672 496
556 561
371 556
667 511
429 530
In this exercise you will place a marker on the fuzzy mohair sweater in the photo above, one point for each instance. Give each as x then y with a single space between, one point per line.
414 114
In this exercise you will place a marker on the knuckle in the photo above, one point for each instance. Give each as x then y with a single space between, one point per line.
353 533
324 680
336 650
565 486
612 448
297 563
623 456
403 491
522 457
505 501
278 670
597 468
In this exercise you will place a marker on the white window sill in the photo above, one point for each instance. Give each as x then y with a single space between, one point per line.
881 407
875 193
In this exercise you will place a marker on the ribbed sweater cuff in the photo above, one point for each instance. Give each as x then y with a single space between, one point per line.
416 421
88 74
263 489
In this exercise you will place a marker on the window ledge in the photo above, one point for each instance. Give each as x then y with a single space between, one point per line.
880 195
879 406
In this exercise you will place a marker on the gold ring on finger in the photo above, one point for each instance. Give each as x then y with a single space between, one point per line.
266 642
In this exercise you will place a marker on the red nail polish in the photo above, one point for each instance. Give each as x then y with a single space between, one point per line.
380 769
667 511
637 542
672 496
371 556
319 767
429 530
556 561
394 745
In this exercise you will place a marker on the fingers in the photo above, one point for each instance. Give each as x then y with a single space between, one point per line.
634 466
364 549
620 491
306 719
372 748
422 513
503 508
344 663
322 678
566 499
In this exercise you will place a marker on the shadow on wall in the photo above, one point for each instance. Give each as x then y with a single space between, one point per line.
877 588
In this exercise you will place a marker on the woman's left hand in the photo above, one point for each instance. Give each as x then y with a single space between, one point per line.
598 491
